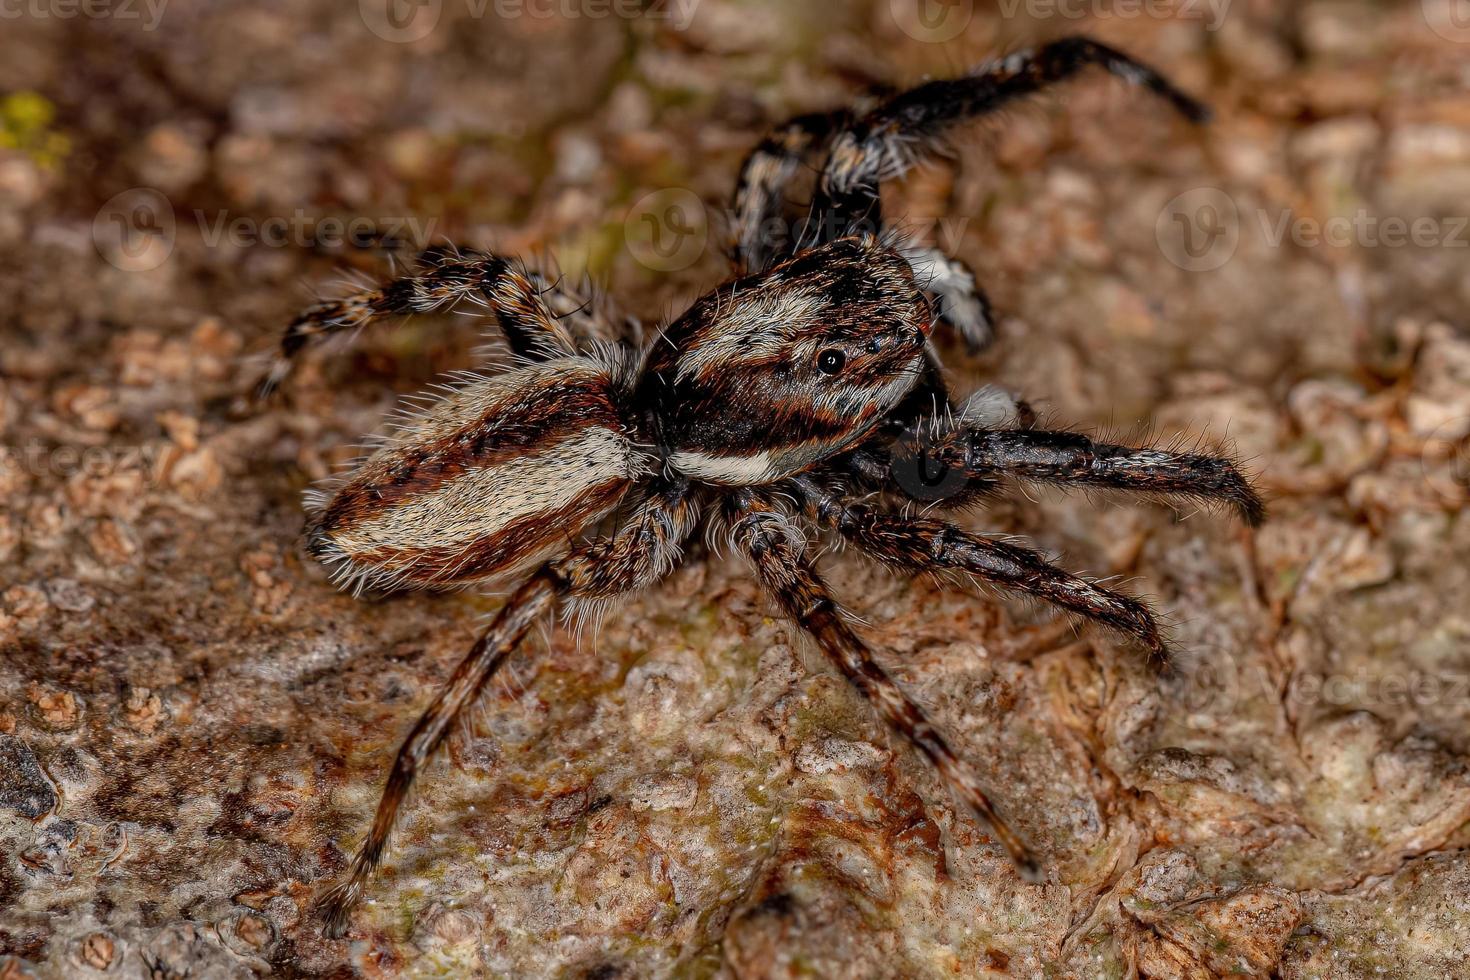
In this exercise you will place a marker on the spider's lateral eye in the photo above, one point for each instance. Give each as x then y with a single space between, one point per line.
831 360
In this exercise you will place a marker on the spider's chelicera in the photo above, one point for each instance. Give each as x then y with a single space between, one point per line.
804 392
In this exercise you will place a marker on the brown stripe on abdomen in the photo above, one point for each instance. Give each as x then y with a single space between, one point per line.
486 425
508 548
503 471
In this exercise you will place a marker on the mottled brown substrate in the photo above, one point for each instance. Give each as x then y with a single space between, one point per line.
194 726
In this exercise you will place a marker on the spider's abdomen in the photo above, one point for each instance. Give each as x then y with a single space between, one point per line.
503 472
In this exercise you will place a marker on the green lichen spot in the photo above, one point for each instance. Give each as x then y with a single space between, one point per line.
25 126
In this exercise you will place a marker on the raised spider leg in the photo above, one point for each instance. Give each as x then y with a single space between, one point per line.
446 277
761 190
885 142
758 236
774 545
640 552
919 545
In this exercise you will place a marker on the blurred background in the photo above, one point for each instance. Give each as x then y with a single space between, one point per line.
194 725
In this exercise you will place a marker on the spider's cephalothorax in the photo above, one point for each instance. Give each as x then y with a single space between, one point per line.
779 370
770 408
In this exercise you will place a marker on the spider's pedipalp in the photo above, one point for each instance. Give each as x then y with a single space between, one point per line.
769 539
960 300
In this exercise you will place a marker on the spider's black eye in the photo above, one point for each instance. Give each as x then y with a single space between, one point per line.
831 360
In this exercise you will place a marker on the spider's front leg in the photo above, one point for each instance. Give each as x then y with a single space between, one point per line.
991 437
1070 459
445 277
885 142
921 545
774 545
761 192
641 551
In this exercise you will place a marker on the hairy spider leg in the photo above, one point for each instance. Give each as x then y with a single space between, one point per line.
762 189
774 545
759 239
488 655
531 329
923 545
1069 459
886 142
640 552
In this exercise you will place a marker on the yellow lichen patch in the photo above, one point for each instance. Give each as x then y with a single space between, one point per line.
26 126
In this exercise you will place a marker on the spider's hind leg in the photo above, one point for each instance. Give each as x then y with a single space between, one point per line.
444 277
485 658
640 552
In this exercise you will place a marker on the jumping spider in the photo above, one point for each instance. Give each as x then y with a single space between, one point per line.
779 401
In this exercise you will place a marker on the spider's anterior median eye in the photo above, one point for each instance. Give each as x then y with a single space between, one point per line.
831 360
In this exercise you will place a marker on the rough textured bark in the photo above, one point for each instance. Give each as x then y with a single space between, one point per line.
194 727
